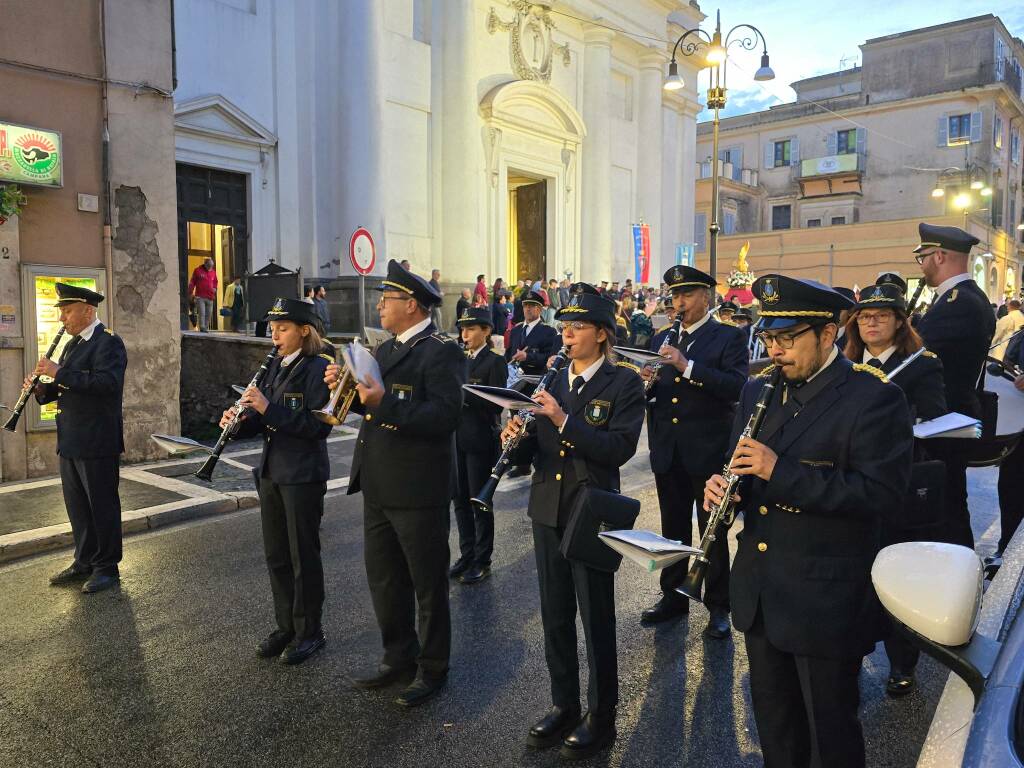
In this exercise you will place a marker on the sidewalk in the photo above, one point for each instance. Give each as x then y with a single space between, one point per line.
33 518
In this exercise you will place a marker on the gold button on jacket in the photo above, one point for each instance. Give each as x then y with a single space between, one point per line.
762 547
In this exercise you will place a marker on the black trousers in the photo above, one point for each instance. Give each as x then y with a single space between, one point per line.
476 526
94 509
406 556
677 493
563 586
1011 496
291 517
805 707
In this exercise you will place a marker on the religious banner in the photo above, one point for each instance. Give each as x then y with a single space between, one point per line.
642 253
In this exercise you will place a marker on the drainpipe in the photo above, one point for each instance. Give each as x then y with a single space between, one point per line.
108 258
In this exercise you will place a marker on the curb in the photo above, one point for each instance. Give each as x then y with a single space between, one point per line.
15 546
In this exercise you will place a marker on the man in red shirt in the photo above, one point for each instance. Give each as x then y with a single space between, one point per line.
203 288
481 289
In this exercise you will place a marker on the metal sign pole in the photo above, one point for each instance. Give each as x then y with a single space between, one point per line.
362 305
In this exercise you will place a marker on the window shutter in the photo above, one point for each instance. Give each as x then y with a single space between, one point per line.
943 131
700 231
832 143
862 140
794 151
737 163
769 155
975 126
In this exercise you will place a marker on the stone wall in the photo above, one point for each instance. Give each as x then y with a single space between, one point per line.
210 364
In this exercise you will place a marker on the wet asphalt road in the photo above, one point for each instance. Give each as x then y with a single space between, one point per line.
161 672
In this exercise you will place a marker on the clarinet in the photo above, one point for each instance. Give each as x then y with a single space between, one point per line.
12 423
483 501
670 338
205 472
912 304
725 511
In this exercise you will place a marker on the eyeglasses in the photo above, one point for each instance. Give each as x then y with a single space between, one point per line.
920 257
577 326
784 340
382 299
874 318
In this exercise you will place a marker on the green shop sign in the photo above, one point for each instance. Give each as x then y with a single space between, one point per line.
30 156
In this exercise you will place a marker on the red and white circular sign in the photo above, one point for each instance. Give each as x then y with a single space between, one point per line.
362 252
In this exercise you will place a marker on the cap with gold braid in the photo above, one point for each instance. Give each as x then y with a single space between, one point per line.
788 301
296 310
402 280
476 316
587 305
75 294
684 278
885 296
946 238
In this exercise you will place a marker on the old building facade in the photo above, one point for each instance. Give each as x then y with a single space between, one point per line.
832 186
86 135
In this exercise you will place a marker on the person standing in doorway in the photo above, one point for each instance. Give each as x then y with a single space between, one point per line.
234 302
203 289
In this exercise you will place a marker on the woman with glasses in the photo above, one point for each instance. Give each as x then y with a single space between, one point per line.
878 333
587 427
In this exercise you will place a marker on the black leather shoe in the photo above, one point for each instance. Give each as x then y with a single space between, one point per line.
475 575
420 691
594 733
900 684
663 610
519 471
386 675
553 727
718 627
100 581
73 574
273 644
297 651
459 567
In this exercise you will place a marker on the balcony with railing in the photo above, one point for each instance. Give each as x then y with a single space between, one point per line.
832 175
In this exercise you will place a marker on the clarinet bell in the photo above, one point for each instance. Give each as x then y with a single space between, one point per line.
205 472
693 584
484 501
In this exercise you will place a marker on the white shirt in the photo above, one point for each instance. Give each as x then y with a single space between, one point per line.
86 334
289 359
691 330
408 333
529 327
587 375
948 284
473 353
882 358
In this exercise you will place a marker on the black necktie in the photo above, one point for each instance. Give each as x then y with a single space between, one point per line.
575 388
683 338
874 362
67 349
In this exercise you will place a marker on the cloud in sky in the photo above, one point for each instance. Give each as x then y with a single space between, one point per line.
804 40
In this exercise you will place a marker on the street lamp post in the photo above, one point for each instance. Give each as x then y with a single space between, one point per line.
715 57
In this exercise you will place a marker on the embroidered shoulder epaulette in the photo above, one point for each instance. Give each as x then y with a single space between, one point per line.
865 368
107 330
727 322
765 372
928 353
326 357
664 328
444 338
623 364
620 320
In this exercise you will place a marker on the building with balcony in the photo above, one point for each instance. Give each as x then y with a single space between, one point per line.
832 186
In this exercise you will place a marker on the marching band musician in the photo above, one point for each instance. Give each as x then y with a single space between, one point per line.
695 398
587 427
878 333
658 339
830 464
530 344
88 382
477 447
404 466
291 477
958 328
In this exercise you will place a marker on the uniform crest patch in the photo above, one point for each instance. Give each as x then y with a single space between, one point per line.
597 412
952 295
402 391
769 291
293 400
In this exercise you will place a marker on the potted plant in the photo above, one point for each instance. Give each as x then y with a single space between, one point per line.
12 200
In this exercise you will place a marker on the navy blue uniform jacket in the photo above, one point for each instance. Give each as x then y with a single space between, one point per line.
294 440
810 534
543 342
480 425
88 389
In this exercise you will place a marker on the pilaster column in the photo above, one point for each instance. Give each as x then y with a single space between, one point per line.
650 155
360 116
596 169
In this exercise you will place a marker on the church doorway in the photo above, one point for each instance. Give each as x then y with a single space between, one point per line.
527 227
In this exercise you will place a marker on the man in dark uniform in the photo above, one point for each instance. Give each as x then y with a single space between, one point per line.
658 339
694 400
530 344
958 328
828 467
88 380
404 465
726 310
844 315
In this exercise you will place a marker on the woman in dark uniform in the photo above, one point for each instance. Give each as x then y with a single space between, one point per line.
291 477
477 447
879 334
587 427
